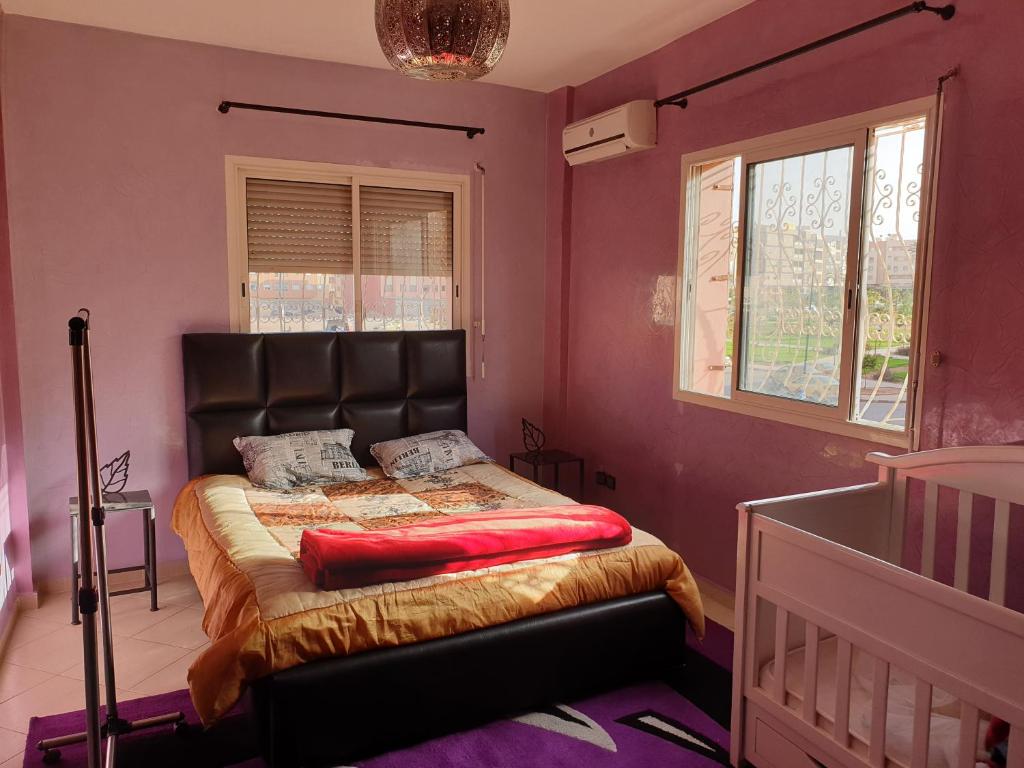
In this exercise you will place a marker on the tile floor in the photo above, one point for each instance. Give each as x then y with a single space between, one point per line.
41 668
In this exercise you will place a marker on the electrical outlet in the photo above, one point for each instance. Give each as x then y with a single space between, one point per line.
600 478
609 482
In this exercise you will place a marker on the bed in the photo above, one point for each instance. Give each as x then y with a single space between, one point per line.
330 676
849 651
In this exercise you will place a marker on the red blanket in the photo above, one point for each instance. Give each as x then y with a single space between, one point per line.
338 559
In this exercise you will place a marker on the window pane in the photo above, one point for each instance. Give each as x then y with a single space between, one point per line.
797 239
406 303
892 211
708 309
406 247
288 301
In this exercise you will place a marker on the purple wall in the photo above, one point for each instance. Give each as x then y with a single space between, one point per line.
13 508
116 170
682 468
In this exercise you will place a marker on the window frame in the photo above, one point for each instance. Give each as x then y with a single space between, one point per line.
844 131
240 168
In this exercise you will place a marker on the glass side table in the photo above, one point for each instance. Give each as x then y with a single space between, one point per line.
126 501
546 458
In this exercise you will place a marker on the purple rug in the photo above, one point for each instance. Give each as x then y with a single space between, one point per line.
642 725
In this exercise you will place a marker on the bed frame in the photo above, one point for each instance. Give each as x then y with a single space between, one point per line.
386 385
828 563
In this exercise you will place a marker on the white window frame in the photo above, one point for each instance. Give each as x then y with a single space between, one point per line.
238 169
850 130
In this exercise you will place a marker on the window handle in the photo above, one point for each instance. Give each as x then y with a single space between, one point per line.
719 278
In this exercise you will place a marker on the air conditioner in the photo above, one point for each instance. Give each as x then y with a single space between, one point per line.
619 131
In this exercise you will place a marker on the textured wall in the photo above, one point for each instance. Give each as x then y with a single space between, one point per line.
116 171
682 468
14 531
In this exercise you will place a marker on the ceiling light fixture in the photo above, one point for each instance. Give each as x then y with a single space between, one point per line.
443 39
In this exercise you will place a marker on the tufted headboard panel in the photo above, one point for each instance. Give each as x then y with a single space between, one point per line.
383 385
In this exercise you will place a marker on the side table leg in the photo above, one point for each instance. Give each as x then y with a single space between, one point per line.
74 572
151 556
147 582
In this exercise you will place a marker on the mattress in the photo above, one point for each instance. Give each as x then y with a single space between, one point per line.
263 614
944 736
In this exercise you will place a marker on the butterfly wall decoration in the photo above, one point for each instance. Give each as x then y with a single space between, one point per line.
114 475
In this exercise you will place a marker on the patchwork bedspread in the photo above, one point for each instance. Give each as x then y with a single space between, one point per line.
263 614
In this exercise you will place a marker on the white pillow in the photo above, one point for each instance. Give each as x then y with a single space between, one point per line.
300 458
426 454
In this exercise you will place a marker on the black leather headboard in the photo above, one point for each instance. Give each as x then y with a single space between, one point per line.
383 385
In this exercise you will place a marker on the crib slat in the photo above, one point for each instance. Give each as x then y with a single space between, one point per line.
931 505
811 673
922 721
879 702
1000 539
896 517
963 541
1015 757
967 754
844 655
781 633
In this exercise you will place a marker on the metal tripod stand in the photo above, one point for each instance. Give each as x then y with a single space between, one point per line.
90 600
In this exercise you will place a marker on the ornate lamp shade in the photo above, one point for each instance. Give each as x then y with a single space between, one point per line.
443 39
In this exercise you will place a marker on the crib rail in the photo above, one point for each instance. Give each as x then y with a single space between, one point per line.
795 588
976 472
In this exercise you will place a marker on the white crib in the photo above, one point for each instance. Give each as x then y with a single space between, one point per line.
842 657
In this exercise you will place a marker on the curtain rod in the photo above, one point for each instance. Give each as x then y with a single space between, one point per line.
470 131
945 12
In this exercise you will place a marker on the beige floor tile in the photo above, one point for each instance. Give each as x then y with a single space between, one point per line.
56 651
56 695
135 660
55 607
11 743
28 629
15 679
183 629
173 677
15 762
179 591
130 614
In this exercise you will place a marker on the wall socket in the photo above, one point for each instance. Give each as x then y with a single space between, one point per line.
603 478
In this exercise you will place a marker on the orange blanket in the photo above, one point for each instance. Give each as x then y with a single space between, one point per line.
338 559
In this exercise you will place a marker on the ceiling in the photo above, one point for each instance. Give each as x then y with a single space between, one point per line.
552 43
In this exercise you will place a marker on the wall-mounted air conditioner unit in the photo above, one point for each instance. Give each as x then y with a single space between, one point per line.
619 131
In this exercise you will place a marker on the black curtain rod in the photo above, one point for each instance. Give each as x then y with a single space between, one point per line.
679 99
470 131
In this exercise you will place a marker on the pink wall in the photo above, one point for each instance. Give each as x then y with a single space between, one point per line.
558 268
116 168
13 507
681 468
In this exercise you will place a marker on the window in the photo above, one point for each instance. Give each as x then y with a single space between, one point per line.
320 247
800 273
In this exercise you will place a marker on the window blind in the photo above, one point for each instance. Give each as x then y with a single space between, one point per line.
297 226
405 232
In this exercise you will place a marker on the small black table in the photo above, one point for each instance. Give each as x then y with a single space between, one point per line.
547 458
125 501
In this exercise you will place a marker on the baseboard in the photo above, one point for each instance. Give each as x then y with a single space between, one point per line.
116 581
719 603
